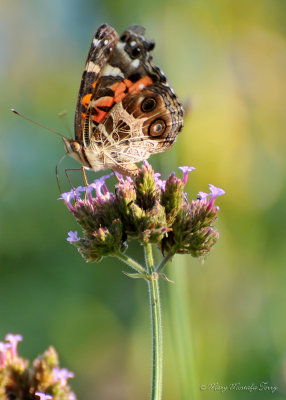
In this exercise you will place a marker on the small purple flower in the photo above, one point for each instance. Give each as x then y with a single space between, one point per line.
215 192
73 194
97 185
186 171
13 339
79 190
203 195
44 396
3 348
61 375
159 182
72 237
67 197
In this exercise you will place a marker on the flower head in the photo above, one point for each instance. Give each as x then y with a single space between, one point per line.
146 208
44 379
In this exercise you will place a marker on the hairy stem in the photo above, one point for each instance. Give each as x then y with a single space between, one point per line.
129 261
156 318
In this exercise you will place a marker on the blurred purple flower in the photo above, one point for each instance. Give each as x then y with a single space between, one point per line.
44 396
203 195
3 348
161 183
14 340
61 375
186 171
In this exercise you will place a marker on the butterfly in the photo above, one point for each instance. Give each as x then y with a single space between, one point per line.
125 109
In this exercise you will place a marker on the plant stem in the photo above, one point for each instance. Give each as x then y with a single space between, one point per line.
129 261
156 318
163 262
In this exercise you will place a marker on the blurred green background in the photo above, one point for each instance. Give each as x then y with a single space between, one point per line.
224 320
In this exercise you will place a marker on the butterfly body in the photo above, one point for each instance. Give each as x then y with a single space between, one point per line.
126 110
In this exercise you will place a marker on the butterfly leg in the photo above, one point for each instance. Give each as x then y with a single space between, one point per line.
69 179
85 181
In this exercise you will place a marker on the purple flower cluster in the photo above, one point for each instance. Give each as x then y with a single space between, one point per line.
42 382
145 208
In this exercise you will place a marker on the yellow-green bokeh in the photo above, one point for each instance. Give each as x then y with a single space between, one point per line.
224 321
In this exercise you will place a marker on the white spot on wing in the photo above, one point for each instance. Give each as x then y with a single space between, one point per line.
92 67
120 45
135 63
95 42
133 43
141 86
113 71
105 42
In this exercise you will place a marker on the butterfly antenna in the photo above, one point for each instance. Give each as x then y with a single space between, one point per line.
57 172
36 123
63 116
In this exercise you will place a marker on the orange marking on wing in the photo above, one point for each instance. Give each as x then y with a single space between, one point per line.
86 99
94 84
119 92
106 101
99 116
128 83
139 85
119 89
83 116
119 97
115 86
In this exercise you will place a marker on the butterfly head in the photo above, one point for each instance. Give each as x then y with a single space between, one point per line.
74 150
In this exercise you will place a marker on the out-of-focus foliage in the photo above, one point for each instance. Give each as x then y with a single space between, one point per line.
228 59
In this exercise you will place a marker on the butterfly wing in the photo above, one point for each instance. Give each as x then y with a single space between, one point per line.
126 109
101 48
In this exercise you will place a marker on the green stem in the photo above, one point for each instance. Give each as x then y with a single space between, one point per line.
157 336
132 263
163 262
